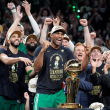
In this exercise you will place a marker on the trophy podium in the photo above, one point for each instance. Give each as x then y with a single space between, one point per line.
73 69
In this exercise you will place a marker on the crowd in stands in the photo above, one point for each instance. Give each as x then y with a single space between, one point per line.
38 37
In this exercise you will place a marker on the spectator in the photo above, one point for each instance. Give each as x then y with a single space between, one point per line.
103 80
85 84
44 13
93 96
96 20
7 18
99 42
85 10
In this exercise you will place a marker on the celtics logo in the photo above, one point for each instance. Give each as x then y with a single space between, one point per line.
57 61
12 73
13 67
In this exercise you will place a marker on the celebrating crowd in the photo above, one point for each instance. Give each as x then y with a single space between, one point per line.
32 63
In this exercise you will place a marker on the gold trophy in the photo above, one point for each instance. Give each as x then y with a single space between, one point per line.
73 69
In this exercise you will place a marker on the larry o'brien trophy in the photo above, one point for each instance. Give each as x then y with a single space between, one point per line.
73 69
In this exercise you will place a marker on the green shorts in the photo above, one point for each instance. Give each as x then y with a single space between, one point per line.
9 104
49 100
22 106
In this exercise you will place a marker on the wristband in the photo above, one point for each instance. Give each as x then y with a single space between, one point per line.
29 72
13 10
85 26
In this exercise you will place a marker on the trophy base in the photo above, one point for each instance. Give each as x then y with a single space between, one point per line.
69 105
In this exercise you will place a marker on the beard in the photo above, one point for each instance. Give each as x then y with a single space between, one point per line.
31 48
16 46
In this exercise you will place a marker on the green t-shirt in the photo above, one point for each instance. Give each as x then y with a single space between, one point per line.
22 48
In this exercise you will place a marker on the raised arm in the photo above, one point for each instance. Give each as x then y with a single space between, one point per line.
14 25
34 24
87 38
86 58
44 30
38 63
12 7
92 36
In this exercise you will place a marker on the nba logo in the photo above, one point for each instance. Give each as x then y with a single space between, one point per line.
64 86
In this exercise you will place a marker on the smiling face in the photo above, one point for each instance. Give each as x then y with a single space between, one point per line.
79 52
14 40
56 38
65 43
31 44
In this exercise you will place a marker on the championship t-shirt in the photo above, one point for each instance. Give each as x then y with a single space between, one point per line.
93 96
11 75
52 74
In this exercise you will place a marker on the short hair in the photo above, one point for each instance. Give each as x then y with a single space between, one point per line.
79 44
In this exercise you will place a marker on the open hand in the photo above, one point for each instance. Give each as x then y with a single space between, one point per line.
64 25
27 7
25 60
19 14
56 21
93 62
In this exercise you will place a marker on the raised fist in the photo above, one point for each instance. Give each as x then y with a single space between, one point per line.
45 45
83 22
10 5
48 21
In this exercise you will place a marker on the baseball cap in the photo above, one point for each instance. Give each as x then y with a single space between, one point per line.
96 47
1 29
48 35
32 85
31 36
58 28
20 25
14 32
66 37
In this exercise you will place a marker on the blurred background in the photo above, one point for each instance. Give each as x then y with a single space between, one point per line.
97 12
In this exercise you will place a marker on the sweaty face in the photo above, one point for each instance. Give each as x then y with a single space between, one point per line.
31 44
65 43
15 40
96 54
57 38
79 52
